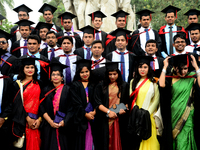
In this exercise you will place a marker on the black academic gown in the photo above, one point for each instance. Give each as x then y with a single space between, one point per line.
79 103
135 43
157 72
6 110
6 67
44 78
162 36
16 52
103 39
79 52
48 134
101 97
58 29
131 64
78 42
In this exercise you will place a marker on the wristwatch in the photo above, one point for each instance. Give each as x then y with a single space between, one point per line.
108 112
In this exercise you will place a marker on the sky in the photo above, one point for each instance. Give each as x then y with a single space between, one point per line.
33 4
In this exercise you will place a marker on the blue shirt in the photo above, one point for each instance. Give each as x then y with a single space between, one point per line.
167 29
85 51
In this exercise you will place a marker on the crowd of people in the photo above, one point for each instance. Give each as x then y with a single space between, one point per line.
90 90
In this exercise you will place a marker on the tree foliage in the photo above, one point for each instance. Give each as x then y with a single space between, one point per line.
6 25
10 4
158 18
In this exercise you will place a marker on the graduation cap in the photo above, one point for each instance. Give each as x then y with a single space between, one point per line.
111 65
83 63
2 17
55 65
22 8
28 60
120 31
24 22
184 59
143 59
193 26
66 15
192 12
120 13
46 7
97 14
89 29
5 35
170 9
42 25
145 12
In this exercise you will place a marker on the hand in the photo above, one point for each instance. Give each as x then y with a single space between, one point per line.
53 124
166 62
194 62
93 112
127 106
2 120
30 122
36 124
122 112
112 114
61 124
89 116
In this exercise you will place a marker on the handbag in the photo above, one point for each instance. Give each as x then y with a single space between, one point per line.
116 108
20 141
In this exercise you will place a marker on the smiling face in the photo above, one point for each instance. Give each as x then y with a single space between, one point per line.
97 23
183 72
170 18
56 77
121 43
29 70
179 44
151 49
33 46
143 70
25 31
195 35
85 74
120 22
97 49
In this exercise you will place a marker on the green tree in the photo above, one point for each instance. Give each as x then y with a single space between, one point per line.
158 18
10 4
6 25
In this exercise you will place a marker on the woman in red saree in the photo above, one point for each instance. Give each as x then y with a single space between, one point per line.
25 110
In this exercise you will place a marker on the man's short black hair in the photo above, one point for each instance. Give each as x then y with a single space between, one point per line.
151 41
179 35
97 41
51 32
35 37
68 38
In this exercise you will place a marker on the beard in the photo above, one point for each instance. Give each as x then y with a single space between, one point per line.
2 51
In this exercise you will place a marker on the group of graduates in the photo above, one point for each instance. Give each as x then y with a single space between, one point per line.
86 90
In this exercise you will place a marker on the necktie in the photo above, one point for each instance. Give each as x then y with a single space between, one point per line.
122 65
97 36
25 49
67 71
68 33
88 53
195 46
45 44
32 56
147 34
97 66
170 40
52 53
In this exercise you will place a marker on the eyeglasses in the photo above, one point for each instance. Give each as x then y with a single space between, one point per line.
53 37
3 42
22 15
178 42
54 74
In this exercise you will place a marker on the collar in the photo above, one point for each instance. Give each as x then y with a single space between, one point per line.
167 26
183 52
66 31
37 55
143 29
93 59
70 53
120 51
22 39
86 46
53 47
192 43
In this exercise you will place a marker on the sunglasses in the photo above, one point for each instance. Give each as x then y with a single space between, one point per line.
3 42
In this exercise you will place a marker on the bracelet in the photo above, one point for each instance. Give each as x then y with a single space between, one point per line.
164 71
198 74
198 71
40 119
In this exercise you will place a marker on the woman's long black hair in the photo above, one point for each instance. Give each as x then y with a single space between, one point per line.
137 76
21 76
77 75
107 81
